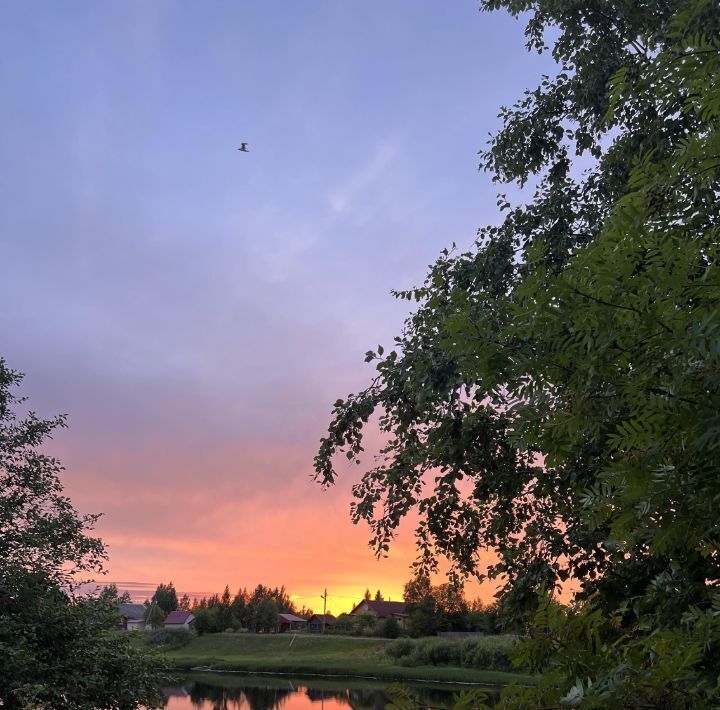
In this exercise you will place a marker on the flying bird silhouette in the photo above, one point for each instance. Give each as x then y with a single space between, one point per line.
243 147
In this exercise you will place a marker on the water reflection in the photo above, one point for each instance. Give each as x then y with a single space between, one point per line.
228 692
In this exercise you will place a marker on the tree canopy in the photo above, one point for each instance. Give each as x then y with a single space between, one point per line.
166 597
58 648
555 395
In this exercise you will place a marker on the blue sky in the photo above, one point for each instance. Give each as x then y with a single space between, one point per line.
196 310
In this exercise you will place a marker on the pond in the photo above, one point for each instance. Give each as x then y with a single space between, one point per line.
216 691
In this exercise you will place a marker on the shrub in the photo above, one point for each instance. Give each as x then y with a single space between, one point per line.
170 638
389 629
443 653
400 648
488 653
485 653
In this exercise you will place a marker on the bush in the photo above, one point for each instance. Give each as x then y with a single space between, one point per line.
389 629
443 653
488 653
400 648
170 638
485 653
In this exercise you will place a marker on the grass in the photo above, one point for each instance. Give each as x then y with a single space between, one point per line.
318 655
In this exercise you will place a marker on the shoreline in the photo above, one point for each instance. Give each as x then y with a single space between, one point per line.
321 657
345 676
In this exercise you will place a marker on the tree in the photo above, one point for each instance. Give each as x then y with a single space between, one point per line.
554 397
388 628
423 617
204 620
417 589
367 596
239 608
184 603
57 646
110 591
166 597
266 618
378 596
154 616
364 622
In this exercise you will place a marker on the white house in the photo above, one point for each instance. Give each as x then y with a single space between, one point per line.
132 616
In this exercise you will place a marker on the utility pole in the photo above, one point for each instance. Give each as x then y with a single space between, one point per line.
324 598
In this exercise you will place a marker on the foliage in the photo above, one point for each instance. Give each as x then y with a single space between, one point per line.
388 628
364 622
154 616
58 648
184 603
555 396
432 608
402 698
481 653
256 610
169 639
166 598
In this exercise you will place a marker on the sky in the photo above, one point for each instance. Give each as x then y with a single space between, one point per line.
196 310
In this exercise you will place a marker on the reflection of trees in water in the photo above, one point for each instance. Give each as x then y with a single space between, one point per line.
256 698
264 698
316 695
367 698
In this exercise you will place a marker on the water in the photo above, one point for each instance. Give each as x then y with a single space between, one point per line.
215 691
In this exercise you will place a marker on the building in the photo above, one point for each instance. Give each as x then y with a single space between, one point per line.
315 622
289 622
132 616
180 620
382 610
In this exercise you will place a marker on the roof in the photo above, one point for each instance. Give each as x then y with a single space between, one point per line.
329 618
383 608
178 617
290 618
132 611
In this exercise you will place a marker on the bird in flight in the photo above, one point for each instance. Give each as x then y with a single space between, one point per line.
243 148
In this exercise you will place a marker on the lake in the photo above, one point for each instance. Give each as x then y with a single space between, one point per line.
215 691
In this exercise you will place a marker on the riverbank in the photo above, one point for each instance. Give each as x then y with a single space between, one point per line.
322 656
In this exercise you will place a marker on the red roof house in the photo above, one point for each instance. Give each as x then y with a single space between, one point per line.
382 610
179 620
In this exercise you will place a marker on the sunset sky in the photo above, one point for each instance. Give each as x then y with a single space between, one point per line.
196 310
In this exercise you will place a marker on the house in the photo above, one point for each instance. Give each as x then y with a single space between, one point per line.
132 617
289 622
382 610
180 620
315 622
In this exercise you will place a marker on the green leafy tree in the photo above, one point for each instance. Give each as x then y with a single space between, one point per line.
555 395
58 648
344 624
166 597
417 589
423 617
388 628
206 620
239 609
266 618
154 616
364 622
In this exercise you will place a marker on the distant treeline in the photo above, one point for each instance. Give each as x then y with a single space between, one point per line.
255 610
430 609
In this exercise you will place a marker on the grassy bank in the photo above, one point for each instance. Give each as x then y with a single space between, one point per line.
310 654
